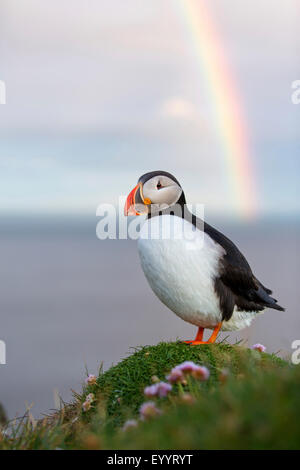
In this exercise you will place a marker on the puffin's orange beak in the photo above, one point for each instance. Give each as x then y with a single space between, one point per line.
136 204
130 202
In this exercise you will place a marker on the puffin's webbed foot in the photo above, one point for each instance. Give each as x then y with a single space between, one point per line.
199 337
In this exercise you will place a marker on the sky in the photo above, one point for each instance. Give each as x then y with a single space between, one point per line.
99 92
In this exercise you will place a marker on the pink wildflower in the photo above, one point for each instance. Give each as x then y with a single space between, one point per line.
200 373
160 390
91 379
86 406
259 347
90 397
175 376
130 424
151 391
186 367
149 410
163 389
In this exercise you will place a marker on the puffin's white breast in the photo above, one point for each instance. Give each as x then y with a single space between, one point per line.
180 264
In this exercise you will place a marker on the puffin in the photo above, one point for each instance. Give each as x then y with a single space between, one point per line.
195 270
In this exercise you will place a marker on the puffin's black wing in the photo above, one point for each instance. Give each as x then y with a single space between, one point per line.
236 284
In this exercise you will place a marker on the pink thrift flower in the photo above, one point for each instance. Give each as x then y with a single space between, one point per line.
175 376
186 367
201 373
86 406
91 379
259 347
151 391
160 390
163 389
149 410
90 397
130 424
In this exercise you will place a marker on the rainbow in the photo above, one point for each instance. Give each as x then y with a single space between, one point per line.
227 103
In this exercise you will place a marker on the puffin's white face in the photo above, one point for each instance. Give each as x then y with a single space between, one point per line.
154 192
161 190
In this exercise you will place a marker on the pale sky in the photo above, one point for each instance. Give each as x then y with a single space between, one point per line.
99 92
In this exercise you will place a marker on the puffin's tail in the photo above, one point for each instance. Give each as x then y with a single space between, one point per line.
264 295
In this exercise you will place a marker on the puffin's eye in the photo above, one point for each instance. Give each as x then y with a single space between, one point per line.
158 186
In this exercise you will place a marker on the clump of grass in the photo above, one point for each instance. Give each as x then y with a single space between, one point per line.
123 384
249 406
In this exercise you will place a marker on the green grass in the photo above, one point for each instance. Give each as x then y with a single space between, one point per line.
256 408
126 381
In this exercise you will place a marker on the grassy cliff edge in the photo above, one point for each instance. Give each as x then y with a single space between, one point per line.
250 401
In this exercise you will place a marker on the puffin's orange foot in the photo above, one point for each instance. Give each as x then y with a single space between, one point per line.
199 337
195 343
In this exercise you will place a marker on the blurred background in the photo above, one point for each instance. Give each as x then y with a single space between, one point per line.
98 93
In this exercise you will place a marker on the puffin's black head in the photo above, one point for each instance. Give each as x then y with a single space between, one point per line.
155 191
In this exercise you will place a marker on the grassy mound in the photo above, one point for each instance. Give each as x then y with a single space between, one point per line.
254 405
122 386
